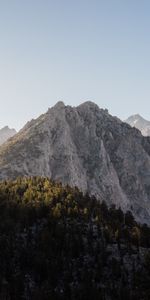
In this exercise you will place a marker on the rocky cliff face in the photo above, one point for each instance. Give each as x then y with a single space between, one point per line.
6 133
84 146
140 123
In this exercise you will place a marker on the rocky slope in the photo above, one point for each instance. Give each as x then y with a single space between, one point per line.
6 133
84 146
140 123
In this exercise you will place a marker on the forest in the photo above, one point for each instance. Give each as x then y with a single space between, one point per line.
58 244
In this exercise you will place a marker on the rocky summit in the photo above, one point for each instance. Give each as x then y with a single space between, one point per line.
84 146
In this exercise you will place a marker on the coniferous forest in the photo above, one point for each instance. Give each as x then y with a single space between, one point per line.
58 244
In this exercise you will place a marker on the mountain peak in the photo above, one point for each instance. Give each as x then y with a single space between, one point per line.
59 105
84 146
89 104
6 133
140 123
136 117
7 128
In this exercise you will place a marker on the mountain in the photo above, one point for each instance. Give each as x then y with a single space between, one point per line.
57 244
86 147
140 123
6 133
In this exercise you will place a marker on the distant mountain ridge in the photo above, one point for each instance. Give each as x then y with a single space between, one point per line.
84 146
6 133
140 123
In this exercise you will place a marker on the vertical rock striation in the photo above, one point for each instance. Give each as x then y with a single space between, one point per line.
84 146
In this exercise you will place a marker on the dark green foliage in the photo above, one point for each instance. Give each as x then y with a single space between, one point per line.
56 243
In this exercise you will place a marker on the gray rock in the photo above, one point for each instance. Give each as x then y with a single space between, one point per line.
84 146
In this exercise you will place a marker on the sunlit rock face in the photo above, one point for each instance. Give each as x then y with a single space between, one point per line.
6 133
84 146
140 123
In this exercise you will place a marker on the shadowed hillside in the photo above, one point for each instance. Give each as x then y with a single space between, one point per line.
56 244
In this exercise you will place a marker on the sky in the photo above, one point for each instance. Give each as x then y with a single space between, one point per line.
73 51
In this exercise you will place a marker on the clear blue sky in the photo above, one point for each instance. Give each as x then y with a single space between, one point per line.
73 50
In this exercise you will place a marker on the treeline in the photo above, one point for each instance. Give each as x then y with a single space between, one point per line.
56 243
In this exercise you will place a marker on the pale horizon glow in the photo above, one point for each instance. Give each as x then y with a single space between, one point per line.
73 51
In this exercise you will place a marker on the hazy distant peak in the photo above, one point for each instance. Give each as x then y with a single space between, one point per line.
140 123
7 128
6 133
136 117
